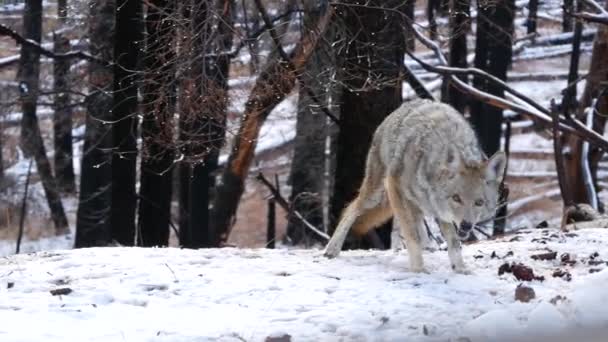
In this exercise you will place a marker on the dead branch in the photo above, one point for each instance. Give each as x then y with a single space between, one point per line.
274 83
559 157
600 15
7 31
416 84
541 115
280 200
286 59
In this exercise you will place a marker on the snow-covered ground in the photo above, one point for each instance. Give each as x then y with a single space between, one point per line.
133 294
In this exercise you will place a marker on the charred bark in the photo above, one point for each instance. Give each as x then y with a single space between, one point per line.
368 66
307 175
595 91
157 125
204 131
124 114
493 54
93 215
459 26
62 119
31 138
532 16
274 83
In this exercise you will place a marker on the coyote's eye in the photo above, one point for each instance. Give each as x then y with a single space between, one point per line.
456 198
478 202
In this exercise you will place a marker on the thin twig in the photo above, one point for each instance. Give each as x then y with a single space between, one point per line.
280 200
24 206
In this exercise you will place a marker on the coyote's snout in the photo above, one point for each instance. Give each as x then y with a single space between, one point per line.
424 160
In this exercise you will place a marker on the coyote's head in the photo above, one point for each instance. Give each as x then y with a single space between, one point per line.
470 192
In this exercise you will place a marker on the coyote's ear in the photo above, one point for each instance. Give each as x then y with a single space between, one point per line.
495 167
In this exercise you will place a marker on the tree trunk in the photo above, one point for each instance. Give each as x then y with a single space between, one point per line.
532 16
274 83
93 216
410 38
62 119
595 89
307 175
126 46
31 139
566 16
214 92
493 54
459 24
369 66
204 121
431 11
155 191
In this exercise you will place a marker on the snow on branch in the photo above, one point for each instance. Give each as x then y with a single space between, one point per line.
7 31
537 112
600 15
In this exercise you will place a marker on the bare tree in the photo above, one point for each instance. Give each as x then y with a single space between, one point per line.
369 65
127 42
31 138
159 96
307 175
459 27
493 53
276 80
62 119
594 103
93 216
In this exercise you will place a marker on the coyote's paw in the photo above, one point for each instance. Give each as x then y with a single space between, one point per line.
419 269
331 251
462 270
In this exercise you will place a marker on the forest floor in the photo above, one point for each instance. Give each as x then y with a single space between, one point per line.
170 294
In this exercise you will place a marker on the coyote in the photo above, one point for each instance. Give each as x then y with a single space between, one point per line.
424 160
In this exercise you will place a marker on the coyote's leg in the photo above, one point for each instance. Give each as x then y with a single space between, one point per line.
372 218
334 246
360 218
408 217
454 249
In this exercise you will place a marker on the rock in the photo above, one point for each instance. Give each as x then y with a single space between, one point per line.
545 256
524 293
279 338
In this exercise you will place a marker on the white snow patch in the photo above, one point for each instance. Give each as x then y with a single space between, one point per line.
170 294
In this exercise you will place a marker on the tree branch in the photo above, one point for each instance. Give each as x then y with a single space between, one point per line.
570 125
287 60
280 200
7 31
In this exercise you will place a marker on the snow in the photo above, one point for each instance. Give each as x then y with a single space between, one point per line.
171 294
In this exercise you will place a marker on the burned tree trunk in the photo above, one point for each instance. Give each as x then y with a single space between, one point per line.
214 93
493 54
532 16
459 26
157 125
31 138
274 83
409 11
204 123
128 38
369 67
62 120
307 175
594 98
93 216
568 8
